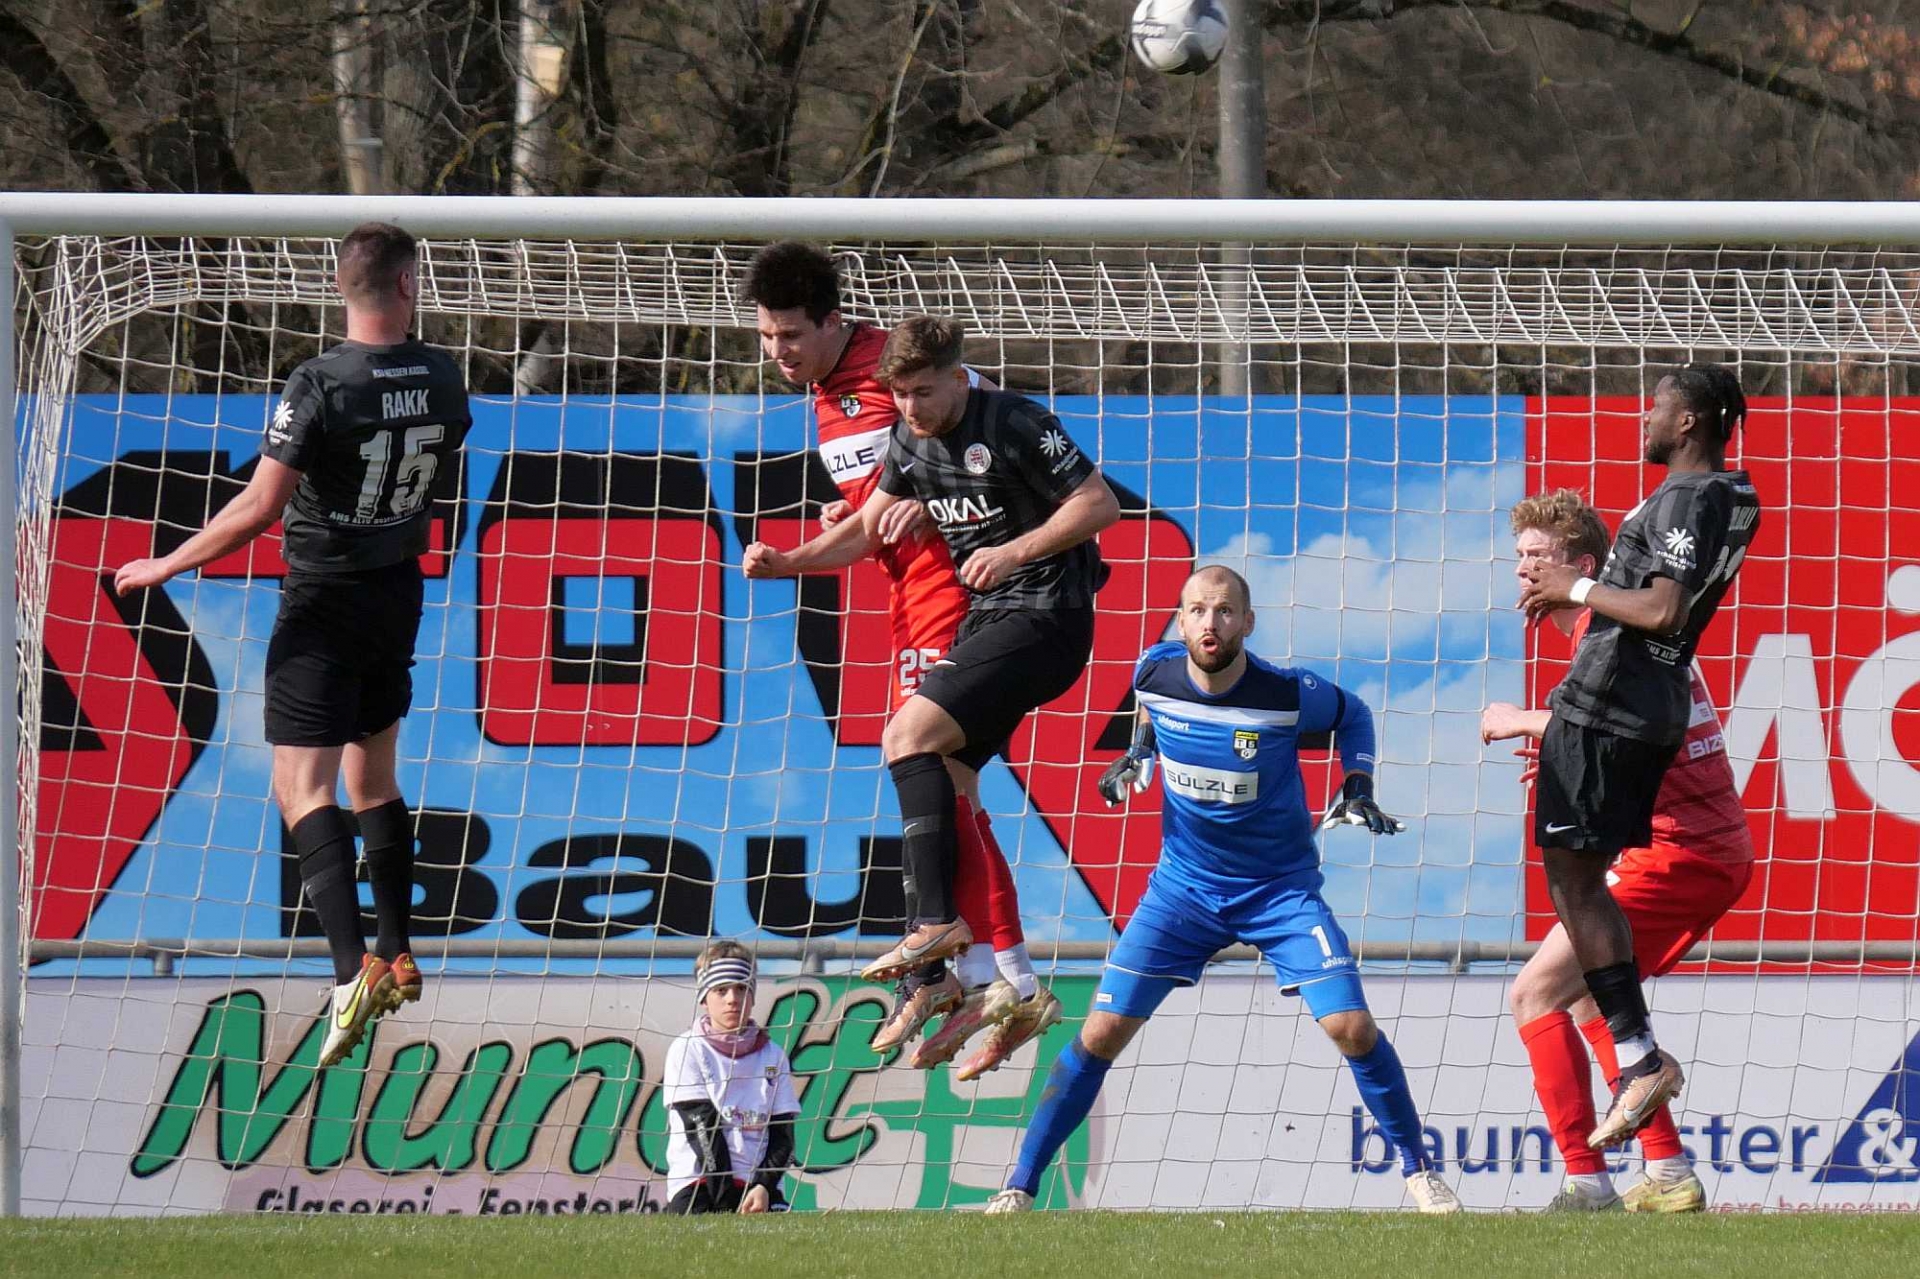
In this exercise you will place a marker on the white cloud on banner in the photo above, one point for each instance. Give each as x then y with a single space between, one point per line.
1427 637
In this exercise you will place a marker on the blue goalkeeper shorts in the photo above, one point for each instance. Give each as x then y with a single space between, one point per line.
1178 927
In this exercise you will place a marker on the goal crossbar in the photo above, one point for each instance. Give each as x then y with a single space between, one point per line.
1532 222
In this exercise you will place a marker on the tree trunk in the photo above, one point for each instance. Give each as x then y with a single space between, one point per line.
355 90
538 79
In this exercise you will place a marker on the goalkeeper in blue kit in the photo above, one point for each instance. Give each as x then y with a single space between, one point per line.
1237 864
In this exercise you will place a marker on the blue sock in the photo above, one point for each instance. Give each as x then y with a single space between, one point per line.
1383 1087
1066 1101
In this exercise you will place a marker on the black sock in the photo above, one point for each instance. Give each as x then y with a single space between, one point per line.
325 844
1616 988
928 844
387 833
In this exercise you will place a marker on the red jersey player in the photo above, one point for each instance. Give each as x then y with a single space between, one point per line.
1672 892
796 292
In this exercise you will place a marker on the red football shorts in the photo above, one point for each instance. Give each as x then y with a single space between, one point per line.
921 637
1673 897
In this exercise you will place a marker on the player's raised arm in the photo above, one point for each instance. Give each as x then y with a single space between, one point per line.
1085 512
1658 608
843 543
1326 707
251 513
1056 468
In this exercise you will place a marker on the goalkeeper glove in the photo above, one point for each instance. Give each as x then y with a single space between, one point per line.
1135 769
1355 807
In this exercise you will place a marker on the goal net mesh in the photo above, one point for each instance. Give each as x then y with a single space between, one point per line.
619 747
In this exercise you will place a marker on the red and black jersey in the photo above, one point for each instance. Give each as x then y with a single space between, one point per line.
855 416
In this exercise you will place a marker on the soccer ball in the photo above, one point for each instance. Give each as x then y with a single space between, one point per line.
1179 37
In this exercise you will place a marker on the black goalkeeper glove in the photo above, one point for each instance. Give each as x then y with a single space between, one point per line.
1355 807
1133 769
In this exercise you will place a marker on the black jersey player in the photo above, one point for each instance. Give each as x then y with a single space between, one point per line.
348 460
1018 504
1624 707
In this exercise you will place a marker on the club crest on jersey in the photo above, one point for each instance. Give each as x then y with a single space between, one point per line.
1246 743
850 405
977 459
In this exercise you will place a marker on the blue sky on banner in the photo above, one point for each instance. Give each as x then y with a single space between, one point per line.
1373 532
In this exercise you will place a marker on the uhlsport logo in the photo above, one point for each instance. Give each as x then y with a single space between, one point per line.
1883 1139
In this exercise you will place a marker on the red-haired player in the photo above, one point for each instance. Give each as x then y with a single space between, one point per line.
795 289
1672 891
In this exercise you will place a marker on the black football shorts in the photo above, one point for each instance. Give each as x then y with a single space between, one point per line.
340 663
1596 790
1003 664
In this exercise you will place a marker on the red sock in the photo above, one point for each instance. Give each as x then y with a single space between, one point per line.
1660 1139
1003 900
972 878
1563 1077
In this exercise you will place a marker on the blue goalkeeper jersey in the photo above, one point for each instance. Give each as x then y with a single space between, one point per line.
1235 810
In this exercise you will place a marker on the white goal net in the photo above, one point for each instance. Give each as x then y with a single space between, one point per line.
619 747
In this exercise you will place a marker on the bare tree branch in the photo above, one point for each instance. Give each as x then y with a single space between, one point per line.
40 73
1623 26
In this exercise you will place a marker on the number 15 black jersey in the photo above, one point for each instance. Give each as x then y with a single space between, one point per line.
368 428
1695 528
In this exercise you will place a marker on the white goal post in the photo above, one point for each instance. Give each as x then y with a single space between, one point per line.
1417 365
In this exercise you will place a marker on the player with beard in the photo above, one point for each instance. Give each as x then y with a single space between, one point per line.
1622 712
1237 864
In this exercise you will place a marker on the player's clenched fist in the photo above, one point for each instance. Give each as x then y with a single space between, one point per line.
1132 770
988 567
763 561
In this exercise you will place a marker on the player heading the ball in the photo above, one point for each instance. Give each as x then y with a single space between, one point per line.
795 289
1672 891
1018 504
350 456
1237 864
1624 707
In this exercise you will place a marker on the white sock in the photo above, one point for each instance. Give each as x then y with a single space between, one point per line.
974 967
1677 1168
1017 967
1632 1052
1594 1185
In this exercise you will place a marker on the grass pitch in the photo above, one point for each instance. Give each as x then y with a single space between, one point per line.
1084 1245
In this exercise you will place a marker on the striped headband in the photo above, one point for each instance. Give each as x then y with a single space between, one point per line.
725 972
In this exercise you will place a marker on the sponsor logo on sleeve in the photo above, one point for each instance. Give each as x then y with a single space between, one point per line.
1059 448
1676 548
280 430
